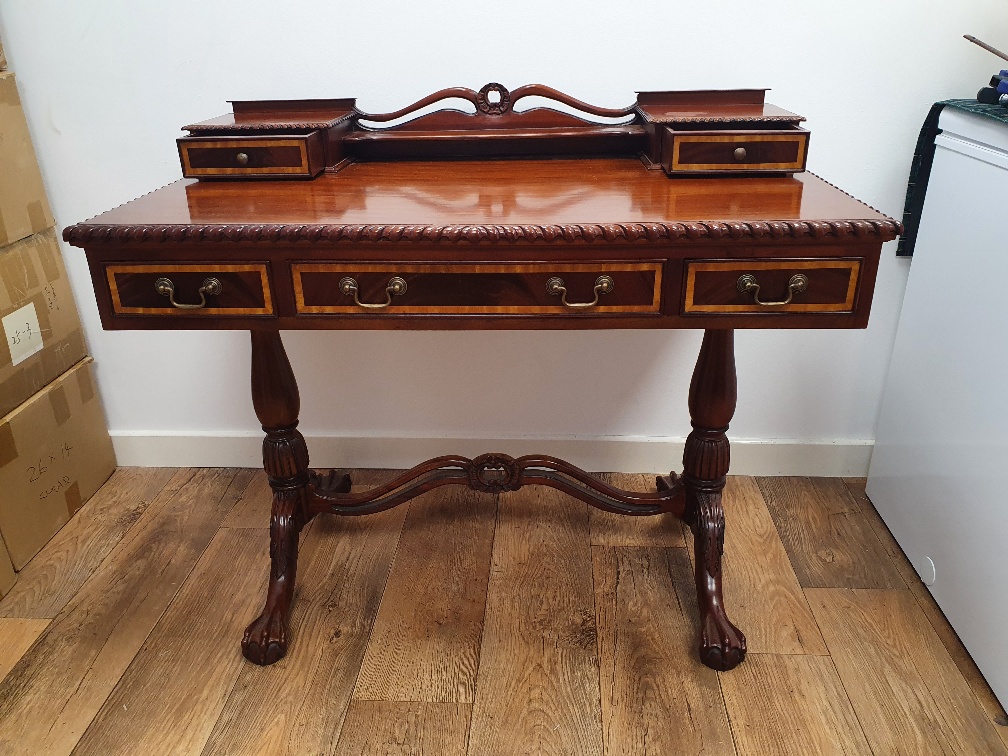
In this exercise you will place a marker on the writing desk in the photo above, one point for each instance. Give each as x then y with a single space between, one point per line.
586 242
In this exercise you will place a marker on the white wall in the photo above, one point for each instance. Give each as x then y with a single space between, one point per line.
107 84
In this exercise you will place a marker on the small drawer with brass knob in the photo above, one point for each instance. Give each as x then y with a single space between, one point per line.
725 287
720 152
191 290
296 155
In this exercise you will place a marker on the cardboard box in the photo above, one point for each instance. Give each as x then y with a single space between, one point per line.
24 209
41 330
54 454
7 576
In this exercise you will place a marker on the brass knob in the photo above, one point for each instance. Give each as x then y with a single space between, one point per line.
242 158
740 154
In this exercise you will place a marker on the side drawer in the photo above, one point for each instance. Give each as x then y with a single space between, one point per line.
260 156
762 286
699 152
477 288
179 290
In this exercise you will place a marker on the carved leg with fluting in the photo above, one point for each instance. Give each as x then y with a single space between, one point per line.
705 465
285 459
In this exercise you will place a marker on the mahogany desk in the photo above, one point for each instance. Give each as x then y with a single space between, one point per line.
585 243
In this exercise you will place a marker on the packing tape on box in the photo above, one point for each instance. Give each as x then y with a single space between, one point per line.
48 254
37 214
86 386
8 449
30 379
18 274
73 498
60 405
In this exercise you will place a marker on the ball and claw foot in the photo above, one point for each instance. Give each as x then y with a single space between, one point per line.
722 645
265 640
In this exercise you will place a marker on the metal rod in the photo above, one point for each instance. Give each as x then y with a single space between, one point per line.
985 46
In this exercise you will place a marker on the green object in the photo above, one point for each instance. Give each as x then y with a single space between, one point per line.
920 168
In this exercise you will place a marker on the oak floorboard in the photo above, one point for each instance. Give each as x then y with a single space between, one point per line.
829 541
537 690
761 592
16 637
381 728
172 693
908 694
426 639
790 705
55 574
54 691
610 529
657 698
967 667
298 704
255 506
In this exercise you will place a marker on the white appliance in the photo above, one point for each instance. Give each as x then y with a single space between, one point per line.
939 471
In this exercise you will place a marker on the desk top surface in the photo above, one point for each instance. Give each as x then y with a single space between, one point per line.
499 196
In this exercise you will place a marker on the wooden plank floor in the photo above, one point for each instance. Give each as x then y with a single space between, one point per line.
465 623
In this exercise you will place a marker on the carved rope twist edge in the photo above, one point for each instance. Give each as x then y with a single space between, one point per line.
82 234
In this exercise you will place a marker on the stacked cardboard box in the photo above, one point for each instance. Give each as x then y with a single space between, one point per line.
54 449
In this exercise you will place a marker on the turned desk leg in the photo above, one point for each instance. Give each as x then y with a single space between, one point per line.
285 458
705 464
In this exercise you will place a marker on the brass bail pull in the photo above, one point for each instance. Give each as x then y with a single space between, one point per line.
603 285
211 287
396 286
797 284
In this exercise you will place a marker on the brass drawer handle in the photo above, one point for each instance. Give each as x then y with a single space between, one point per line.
242 158
603 285
211 287
396 286
740 154
796 285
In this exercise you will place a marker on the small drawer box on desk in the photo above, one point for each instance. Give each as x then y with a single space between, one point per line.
259 156
771 287
720 152
173 290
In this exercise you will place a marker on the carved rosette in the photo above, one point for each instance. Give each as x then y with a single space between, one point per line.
503 103
493 473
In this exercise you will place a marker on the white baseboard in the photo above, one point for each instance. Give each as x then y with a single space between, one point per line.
844 457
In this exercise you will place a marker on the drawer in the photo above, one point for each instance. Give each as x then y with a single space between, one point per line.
583 289
698 152
151 289
291 155
730 286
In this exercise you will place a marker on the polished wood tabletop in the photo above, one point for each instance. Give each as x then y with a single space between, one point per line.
503 192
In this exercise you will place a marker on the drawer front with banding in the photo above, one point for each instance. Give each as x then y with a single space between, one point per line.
182 290
294 156
731 287
698 152
390 288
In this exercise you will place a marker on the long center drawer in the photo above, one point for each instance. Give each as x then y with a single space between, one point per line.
477 288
